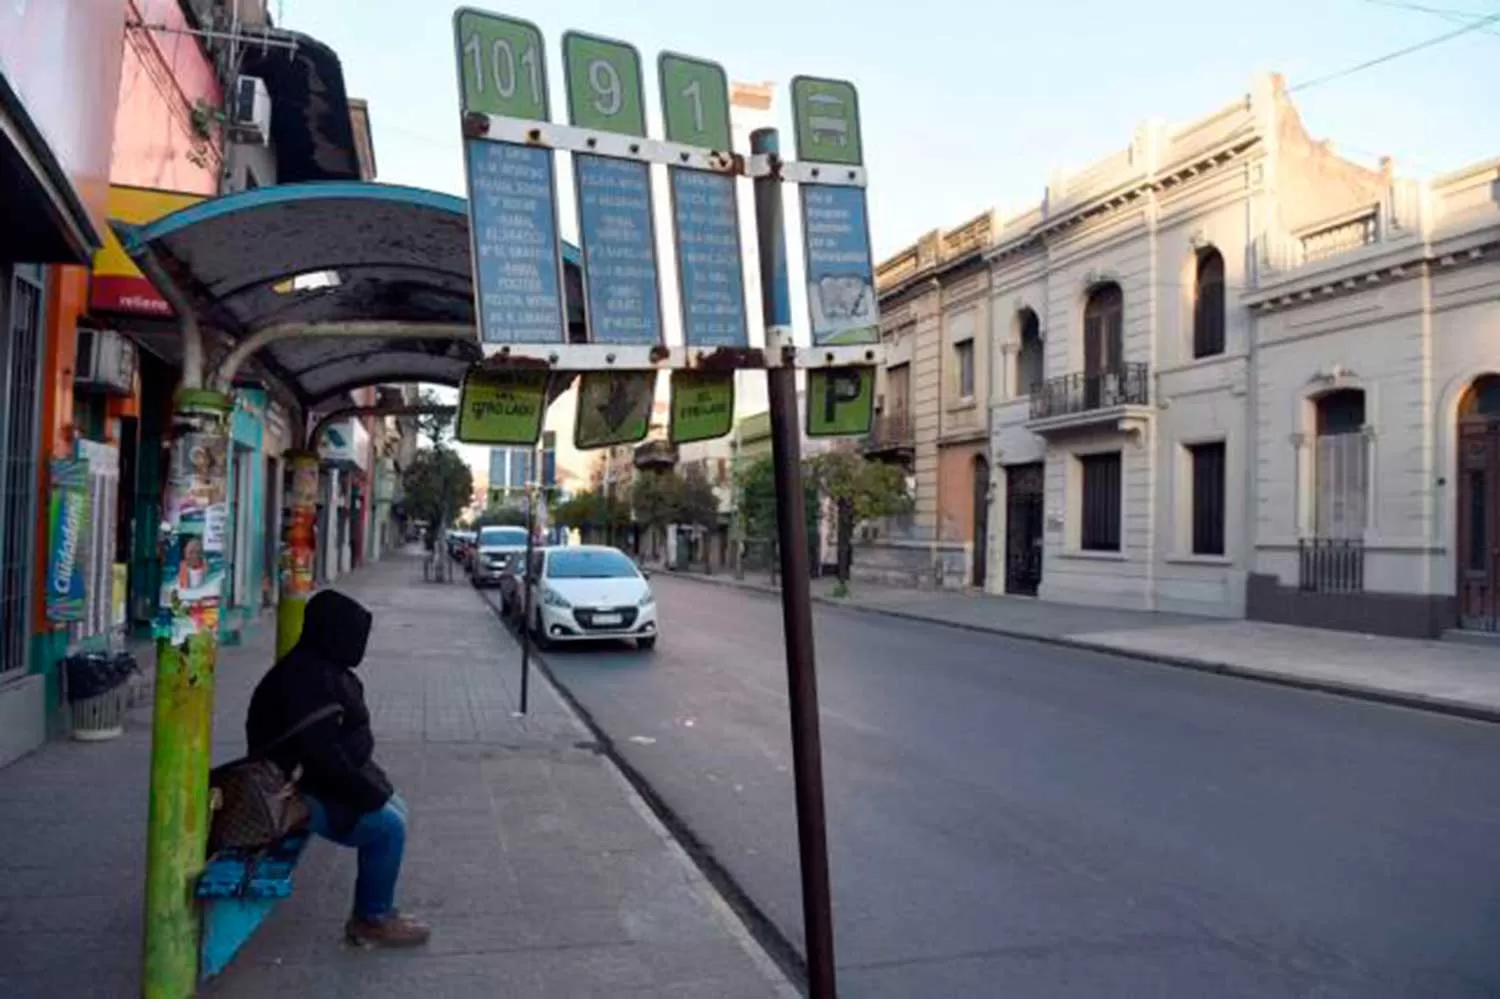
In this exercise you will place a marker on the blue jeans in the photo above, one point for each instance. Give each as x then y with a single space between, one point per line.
380 838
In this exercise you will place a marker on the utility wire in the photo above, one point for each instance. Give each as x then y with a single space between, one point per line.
1446 13
1389 56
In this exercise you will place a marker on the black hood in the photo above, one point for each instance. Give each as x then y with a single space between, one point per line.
336 629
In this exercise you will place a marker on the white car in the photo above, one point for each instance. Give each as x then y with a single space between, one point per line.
588 593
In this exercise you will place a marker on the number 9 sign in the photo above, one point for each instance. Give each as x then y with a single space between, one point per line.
604 84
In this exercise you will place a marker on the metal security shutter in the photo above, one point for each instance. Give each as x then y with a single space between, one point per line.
20 361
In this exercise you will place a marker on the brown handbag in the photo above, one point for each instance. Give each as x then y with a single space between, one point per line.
252 802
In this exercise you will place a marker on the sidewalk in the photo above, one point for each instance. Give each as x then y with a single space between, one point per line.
542 873
1449 677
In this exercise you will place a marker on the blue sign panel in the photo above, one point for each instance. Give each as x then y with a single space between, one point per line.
840 275
706 215
619 250
513 234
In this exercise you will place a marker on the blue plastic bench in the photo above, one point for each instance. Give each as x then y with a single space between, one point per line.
237 891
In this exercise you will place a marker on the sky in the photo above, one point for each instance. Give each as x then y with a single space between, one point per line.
968 105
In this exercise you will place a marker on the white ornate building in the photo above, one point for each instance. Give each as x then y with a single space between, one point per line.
1171 332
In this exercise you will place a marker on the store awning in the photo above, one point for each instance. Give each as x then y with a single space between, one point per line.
335 256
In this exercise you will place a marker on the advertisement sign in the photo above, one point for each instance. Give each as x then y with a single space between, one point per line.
68 521
345 443
193 565
118 285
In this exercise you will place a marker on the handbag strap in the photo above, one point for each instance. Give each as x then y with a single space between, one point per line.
323 713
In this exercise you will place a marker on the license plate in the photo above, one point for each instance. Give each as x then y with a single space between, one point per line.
607 619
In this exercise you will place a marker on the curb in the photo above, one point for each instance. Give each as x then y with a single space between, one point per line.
776 949
1338 688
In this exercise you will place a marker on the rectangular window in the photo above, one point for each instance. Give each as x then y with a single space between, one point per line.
1100 530
963 357
1208 498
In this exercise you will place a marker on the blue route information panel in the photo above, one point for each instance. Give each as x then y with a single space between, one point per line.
840 275
706 217
619 250
517 257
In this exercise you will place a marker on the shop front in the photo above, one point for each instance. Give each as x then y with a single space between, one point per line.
59 80
344 455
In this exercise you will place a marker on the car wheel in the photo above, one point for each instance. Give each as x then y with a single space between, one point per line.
539 636
646 644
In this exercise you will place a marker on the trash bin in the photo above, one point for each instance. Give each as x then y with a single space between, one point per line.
98 693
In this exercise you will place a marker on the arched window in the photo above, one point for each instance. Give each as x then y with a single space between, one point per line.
1342 473
1104 330
1482 398
1208 304
1029 365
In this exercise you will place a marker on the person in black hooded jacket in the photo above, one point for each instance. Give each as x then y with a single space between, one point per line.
352 800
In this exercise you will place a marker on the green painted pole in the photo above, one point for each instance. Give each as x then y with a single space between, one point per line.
187 645
298 549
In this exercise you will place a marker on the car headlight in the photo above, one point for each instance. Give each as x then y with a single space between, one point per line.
647 599
552 598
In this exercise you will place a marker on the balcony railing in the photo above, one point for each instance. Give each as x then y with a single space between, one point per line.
891 430
1085 391
1331 565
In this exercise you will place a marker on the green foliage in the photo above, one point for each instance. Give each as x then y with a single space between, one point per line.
653 498
501 516
870 488
591 510
437 486
694 501
436 427
860 490
756 485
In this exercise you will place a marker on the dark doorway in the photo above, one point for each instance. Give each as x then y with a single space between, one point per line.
981 520
1025 502
1479 506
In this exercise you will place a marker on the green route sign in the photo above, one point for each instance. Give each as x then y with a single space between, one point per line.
605 91
826 113
502 65
840 402
501 407
702 406
695 101
614 407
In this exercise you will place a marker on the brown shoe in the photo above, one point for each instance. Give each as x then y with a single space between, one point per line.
395 931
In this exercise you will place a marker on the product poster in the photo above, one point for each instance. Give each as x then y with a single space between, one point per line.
68 519
193 567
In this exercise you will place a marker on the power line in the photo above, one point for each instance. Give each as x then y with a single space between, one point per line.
1446 13
1389 56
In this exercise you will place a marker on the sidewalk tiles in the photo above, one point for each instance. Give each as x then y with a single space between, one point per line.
541 871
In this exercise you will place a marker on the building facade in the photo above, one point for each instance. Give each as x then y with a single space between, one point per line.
932 408
1171 431
1376 409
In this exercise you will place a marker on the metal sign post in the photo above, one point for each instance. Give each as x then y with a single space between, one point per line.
511 144
796 592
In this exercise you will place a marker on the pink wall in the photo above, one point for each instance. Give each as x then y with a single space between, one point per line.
162 77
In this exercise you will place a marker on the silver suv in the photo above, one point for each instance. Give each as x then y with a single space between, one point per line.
492 550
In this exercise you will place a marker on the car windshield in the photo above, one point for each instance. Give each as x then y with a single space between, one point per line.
502 537
590 564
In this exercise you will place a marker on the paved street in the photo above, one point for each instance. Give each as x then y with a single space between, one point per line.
1011 818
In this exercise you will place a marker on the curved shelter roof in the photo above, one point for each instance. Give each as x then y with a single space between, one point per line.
339 257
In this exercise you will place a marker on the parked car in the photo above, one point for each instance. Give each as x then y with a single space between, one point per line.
491 550
590 592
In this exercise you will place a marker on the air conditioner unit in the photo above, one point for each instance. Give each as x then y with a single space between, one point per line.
250 111
105 363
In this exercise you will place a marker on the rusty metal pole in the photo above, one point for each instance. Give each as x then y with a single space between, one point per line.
193 567
796 593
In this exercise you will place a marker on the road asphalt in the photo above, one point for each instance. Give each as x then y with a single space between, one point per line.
1018 819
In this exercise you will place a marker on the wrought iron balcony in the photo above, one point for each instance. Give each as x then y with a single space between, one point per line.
893 431
1087 398
1331 565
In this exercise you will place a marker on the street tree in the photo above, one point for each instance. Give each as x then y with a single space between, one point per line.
502 515
756 502
696 503
437 486
591 512
436 427
859 490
